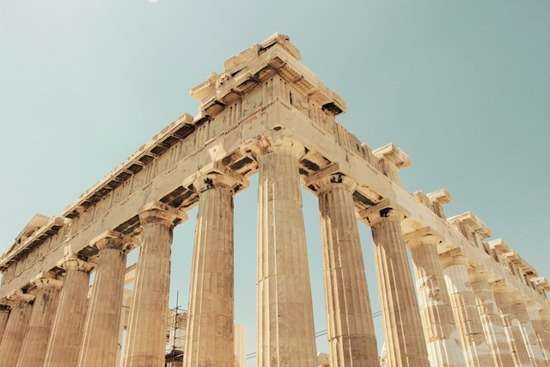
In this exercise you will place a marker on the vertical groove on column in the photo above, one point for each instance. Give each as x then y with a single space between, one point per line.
512 329
405 341
100 345
35 345
14 334
475 348
286 335
210 340
67 330
539 332
535 353
492 323
147 328
440 331
352 338
4 315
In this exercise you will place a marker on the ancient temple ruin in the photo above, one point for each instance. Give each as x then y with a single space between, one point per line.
466 301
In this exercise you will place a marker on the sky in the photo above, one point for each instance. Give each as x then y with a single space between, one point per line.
462 86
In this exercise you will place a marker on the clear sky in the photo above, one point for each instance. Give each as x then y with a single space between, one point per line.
462 86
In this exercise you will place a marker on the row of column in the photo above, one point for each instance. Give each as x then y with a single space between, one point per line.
458 319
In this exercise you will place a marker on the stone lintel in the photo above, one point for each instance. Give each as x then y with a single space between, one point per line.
421 236
160 212
471 223
393 154
453 257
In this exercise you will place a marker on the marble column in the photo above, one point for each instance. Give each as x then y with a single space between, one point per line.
505 303
16 329
35 344
286 335
101 336
68 325
210 338
536 354
440 331
534 312
396 289
147 327
351 333
544 329
467 318
4 315
491 322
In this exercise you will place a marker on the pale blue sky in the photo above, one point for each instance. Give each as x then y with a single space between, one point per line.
462 86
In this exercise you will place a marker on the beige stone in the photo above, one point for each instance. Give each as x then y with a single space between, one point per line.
505 301
101 336
267 112
396 291
146 332
285 311
44 308
351 333
15 331
440 331
492 323
467 318
68 325
4 315
210 332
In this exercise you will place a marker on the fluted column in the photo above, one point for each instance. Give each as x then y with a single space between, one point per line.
147 328
68 325
505 303
493 325
35 344
16 329
467 318
286 335
544 329
351 333
536 354
4 315
210 338
534 311
397 295
101 336
440 331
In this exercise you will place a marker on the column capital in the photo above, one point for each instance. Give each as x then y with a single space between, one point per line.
330 177
158 212
283 144
113 240
73 262
17 298
421 236
453 257
219 178
46 281
381 212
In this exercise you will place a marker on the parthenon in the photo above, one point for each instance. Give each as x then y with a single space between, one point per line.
450 295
